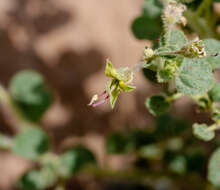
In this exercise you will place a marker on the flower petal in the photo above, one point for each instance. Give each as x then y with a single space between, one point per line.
125 87
110 71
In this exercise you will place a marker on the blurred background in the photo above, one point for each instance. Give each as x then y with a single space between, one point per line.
68 42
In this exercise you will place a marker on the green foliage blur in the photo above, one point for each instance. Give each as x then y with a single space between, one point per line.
166 155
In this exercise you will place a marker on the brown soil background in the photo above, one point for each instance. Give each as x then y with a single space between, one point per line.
68 42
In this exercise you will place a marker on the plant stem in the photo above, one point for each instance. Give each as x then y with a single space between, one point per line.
214 126
202 7
12 112
60 187
174 97
167 36
141 176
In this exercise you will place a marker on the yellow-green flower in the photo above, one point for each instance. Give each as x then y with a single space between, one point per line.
121 80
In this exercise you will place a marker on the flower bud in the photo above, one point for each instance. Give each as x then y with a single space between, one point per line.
173 13
148 53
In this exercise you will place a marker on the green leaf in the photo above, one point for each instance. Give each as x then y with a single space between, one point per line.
214 168
214 93
31 143
157 105
144 27
75 159
152 8
168 126
31 180
38 179
152 152
110 71
138 138
177 40
118 143
164 76
202 132
195 77
178 165
212 48
29 92
196 158
150 75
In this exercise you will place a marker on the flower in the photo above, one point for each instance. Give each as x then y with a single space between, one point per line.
148 54
173 13
121 80
196 48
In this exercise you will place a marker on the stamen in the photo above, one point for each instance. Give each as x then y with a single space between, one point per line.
102 94
98 103
101 101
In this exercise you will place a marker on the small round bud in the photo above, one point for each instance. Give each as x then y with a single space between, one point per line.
148 53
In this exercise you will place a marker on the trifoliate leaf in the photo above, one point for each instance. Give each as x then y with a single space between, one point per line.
157 105
29 92
31 143
212 48
75 159
195 77
214 93
202 132
110 71
214 168
144 27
